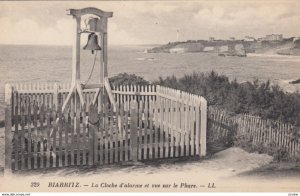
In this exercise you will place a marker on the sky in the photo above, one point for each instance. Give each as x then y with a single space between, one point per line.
150 22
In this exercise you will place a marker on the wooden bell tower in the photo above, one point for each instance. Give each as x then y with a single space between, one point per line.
101 30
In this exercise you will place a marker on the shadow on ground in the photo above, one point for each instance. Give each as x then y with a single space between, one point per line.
274 170
147 167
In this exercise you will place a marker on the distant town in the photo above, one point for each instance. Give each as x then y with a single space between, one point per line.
271 37
270 44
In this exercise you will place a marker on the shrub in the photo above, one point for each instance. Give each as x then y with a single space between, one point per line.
246 142
127 79
256 98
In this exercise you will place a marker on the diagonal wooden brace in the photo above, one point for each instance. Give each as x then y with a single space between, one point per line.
109 92
71 91
80 93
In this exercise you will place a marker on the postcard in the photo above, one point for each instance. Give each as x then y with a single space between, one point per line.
150 96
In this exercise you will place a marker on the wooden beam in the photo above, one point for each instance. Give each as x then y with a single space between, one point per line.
105 49
133 131
203 126
8 141
102 64
79 90
93 86
8 93
52 91
89 10
96 96
76 53
72 89
135 93
109 92
55 95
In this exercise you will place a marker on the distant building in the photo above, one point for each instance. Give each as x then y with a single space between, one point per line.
211 39
177 50
296 38
249 39
223 49
260 39
208 49
232 38
274 37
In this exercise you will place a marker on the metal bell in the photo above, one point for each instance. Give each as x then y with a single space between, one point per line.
92 43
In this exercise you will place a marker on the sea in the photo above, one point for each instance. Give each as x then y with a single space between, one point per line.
27 63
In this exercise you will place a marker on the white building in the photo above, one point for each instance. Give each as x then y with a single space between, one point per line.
208 49
296 38
249 39
274 37
177 50
211 39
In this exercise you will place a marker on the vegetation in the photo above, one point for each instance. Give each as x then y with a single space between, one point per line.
256 98
127 79
278 154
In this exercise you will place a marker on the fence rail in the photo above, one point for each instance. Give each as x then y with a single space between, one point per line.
176 100
149 122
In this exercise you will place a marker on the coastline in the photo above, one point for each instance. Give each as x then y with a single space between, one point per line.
273 55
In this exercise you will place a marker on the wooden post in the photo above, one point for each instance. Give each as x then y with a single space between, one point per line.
93 137
133 131
76 52
8 129
8 141
109 93
203 127
8 94
105 47
55 95
100 94
76 71
103 59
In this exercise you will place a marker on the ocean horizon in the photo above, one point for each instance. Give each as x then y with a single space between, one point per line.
50 63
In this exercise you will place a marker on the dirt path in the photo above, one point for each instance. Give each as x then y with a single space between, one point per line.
229 170
227 163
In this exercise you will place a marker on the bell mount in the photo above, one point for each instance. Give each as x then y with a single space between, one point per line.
76 85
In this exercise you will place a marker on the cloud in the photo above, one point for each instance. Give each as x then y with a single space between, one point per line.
119 36
27 31
141 22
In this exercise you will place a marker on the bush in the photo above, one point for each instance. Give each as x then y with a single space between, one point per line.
279 154
127 79
256 98
245 142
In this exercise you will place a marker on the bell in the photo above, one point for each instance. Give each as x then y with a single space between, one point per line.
92 43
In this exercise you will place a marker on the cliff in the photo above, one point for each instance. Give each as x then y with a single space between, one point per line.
288 46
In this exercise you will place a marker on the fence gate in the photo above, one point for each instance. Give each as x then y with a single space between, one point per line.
39 135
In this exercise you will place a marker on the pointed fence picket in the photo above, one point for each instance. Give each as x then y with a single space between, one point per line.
148 122
224 127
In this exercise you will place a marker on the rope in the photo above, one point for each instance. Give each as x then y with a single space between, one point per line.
91 70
